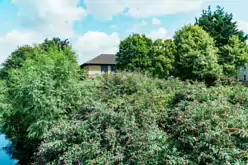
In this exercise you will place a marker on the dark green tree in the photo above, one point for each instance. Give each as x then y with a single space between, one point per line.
134 53
16 59
163 58
220 25
196 56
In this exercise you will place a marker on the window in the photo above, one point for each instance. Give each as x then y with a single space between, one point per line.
104 69
113 69
244 77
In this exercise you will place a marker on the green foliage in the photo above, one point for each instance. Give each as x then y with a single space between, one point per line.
83 74
220 25
234 56
116 126
39 93
133 54
202 122
141 54
16 60
133 119
196 56
228 38
163 59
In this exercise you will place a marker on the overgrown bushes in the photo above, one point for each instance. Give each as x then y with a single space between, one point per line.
133 119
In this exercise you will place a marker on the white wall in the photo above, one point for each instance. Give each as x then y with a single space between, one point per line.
243 73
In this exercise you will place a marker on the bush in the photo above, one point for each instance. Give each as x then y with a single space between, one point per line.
133 119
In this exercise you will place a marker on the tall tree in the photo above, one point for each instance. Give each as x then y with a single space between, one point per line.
220 25
196 56
133 54
234 56
162 53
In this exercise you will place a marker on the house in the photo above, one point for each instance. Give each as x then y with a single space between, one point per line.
243 76
104 63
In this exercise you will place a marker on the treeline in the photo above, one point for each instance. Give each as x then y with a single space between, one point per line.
211 49
54 115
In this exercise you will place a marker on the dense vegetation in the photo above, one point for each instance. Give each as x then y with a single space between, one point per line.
173 108
133 119
41 89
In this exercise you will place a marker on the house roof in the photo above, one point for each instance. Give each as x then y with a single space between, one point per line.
102 59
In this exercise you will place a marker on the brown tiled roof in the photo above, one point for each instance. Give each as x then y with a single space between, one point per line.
102 59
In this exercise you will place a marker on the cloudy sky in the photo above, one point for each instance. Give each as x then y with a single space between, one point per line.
97 26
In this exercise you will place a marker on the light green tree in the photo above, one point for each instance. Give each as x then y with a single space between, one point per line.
234 56
196 56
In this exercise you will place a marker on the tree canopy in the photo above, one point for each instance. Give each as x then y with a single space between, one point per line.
23 53
220 25
162 54
140 53
234 56
134 53
16 59
196 56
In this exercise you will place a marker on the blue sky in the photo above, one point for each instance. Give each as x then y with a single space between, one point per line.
97 26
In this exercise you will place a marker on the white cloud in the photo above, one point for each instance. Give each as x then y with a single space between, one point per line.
243 25
51 17
106 9
91 44
155 21
160 33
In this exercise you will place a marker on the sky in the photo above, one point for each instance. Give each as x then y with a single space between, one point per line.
98 26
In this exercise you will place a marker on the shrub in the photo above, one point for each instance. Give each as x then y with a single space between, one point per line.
134 119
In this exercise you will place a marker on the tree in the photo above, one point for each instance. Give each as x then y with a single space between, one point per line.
196 56
220 25
234 56
133 54
16 59
39 94
61 44
162 53
26 52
